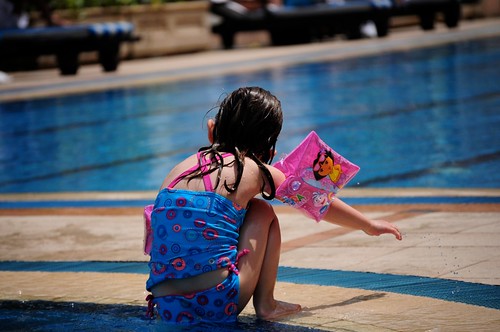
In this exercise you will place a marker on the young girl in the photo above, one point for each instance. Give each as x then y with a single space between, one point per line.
214 244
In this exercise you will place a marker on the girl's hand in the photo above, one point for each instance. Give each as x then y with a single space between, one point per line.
379 227
344 215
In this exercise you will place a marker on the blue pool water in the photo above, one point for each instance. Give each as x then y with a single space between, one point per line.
425 118
46 316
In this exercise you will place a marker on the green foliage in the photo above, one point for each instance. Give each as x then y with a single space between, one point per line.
78 4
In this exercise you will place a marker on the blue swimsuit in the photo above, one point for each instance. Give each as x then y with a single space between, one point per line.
194 233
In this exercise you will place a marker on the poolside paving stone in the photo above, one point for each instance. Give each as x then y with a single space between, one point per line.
441 244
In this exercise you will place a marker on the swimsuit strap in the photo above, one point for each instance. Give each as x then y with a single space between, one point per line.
150 311
206 178
233 267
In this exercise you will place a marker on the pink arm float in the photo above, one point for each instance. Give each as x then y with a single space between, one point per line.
314 174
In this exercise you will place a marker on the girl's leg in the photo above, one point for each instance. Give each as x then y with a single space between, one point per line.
261 235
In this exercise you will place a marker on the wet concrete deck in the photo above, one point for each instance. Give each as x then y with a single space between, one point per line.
443 241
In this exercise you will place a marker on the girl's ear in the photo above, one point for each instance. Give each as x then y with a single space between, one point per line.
211 126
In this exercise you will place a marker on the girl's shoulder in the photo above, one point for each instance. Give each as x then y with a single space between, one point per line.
253 173
185 164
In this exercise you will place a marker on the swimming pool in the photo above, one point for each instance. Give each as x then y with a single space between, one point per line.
425 118
61 316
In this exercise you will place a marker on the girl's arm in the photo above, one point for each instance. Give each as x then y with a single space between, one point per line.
277 175
344 215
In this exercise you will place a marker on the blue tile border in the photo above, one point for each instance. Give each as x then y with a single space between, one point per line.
442 289
37 204
73 204
423 200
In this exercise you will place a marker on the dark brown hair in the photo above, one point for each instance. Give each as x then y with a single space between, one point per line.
247 124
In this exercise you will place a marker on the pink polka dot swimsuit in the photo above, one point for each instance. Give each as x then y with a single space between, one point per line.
194 233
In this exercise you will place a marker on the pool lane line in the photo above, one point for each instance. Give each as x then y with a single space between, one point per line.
442 289
464 163
124 203
377 180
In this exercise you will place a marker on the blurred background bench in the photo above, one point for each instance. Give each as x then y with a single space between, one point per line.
299 21
302 21
20 47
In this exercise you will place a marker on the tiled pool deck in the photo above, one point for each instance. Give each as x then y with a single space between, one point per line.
444 275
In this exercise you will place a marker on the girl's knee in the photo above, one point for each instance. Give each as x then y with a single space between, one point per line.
262 210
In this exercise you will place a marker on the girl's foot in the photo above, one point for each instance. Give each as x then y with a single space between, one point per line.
280 309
